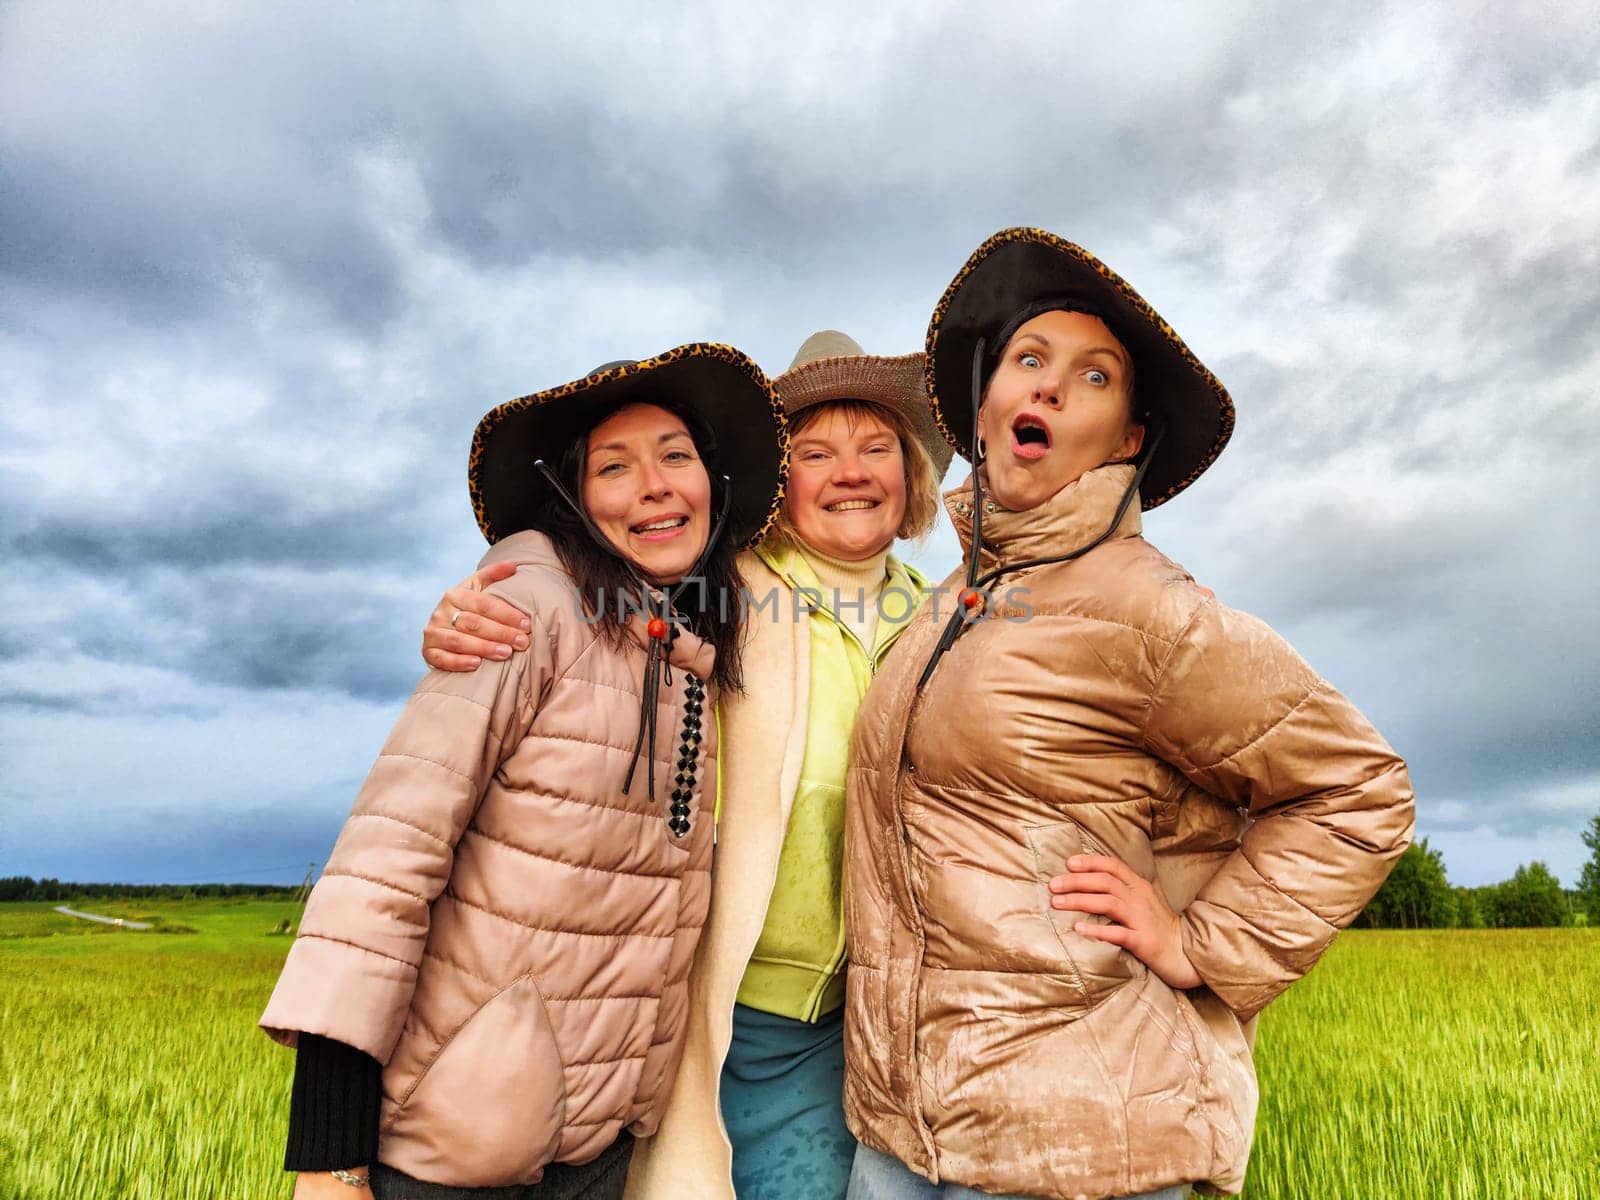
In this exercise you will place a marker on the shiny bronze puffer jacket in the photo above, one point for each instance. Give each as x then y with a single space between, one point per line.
1131 714
499 926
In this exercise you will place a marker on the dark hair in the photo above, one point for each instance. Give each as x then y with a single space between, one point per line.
708 606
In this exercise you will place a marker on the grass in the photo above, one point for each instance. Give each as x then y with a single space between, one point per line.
1430 1065
129 1062
1435 1064
42 920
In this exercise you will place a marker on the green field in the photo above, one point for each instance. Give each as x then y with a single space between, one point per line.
129 1062
1432 1066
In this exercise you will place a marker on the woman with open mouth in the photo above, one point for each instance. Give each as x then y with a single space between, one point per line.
489 990
758 1106
1087 842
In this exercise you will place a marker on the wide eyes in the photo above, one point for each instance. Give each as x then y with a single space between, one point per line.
1095 376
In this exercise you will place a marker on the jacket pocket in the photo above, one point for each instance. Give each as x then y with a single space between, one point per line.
1097 968
494 1097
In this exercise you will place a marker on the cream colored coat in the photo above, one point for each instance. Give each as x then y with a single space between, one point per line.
690 1155
766 725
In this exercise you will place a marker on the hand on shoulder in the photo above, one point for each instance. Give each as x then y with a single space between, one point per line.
469 625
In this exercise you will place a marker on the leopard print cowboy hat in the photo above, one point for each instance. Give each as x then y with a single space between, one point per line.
1020 273
721 385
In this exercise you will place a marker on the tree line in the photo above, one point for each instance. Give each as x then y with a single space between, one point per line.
1418 895
23 887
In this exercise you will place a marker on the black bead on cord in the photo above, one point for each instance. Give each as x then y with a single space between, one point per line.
694 692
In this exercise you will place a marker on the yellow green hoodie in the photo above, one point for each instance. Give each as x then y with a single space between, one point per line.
797 968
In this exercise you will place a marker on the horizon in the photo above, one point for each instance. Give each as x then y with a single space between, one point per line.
318 865
263 275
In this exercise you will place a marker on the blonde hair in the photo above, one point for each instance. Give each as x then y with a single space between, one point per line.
922 480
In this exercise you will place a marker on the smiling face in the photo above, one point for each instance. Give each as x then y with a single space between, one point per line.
1057 406
645 487
847 482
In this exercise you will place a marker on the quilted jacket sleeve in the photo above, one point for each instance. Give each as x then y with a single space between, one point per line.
351 971
1245 718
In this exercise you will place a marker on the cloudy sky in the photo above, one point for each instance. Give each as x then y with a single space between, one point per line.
262 267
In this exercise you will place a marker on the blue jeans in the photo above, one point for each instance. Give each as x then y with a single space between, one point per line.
783 1104
876 1176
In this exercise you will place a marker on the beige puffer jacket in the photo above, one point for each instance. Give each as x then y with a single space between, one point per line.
988 1043
499 926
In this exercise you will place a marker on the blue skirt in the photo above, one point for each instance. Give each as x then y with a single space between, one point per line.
783 1104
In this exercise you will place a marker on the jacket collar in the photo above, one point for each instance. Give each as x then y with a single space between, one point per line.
1078 513
789 564
786 561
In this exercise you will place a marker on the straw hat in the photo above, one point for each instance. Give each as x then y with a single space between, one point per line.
831 366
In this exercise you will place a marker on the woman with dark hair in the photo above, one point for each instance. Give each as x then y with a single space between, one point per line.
488 993
1092 836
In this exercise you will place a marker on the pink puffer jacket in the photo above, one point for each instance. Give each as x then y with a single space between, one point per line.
499 925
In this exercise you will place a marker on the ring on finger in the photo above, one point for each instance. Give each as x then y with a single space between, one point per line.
454 617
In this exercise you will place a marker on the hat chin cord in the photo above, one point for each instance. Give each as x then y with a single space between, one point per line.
976 582
657 667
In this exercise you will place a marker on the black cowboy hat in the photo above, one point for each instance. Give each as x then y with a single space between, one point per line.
722 386
1018 274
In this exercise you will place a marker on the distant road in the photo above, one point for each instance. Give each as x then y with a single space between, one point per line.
72 912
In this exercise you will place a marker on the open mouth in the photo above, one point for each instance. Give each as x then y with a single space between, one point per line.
1030 436
660 526
843 506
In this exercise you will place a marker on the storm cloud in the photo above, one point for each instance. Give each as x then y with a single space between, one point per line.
262 269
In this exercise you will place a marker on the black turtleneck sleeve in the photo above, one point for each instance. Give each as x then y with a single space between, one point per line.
333 1109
